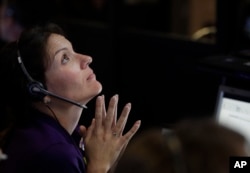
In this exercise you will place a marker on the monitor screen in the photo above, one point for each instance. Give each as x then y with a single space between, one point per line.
233 109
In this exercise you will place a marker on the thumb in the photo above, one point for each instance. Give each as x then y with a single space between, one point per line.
82 131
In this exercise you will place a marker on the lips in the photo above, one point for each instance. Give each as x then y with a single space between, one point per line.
91 76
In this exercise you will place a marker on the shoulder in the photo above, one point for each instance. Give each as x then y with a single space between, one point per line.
59 157
60 152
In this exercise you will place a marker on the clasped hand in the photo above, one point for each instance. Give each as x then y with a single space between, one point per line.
104 141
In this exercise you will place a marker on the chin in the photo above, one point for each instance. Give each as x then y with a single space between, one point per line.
97 90
100 89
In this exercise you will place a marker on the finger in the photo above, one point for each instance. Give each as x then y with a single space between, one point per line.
122 119
103 108
115 113
132 131
111 112
124 123
90 130
98 111
83 133
82 130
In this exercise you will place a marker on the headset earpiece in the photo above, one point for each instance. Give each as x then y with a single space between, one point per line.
36 89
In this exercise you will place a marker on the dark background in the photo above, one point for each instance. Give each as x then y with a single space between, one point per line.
162 75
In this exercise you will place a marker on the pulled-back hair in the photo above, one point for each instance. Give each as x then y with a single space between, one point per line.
31 47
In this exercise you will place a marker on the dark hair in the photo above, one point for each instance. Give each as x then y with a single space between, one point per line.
32 48
207 145
147 153
197 146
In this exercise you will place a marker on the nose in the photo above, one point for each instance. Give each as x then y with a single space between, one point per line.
85 61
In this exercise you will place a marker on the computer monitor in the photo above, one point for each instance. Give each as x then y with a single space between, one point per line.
233 109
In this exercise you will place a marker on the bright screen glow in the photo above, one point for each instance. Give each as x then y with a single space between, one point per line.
235 114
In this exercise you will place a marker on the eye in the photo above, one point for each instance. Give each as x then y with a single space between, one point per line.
65 59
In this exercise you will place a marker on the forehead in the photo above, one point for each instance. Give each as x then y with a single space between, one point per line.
56 42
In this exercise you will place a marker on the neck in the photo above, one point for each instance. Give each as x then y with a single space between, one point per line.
67 116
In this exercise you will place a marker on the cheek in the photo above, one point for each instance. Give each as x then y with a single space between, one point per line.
63 82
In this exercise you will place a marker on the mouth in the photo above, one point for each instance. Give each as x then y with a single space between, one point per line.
91 76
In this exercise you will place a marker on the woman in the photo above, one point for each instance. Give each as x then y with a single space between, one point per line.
50 84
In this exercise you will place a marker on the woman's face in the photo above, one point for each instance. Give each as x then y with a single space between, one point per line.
68 73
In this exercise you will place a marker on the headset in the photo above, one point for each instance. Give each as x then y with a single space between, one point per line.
37 89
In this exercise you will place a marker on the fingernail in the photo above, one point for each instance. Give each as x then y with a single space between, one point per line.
128 105
99 98
116 96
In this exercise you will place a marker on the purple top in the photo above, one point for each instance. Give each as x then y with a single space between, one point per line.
42 145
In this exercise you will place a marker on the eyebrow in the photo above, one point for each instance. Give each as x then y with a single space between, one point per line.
59 50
